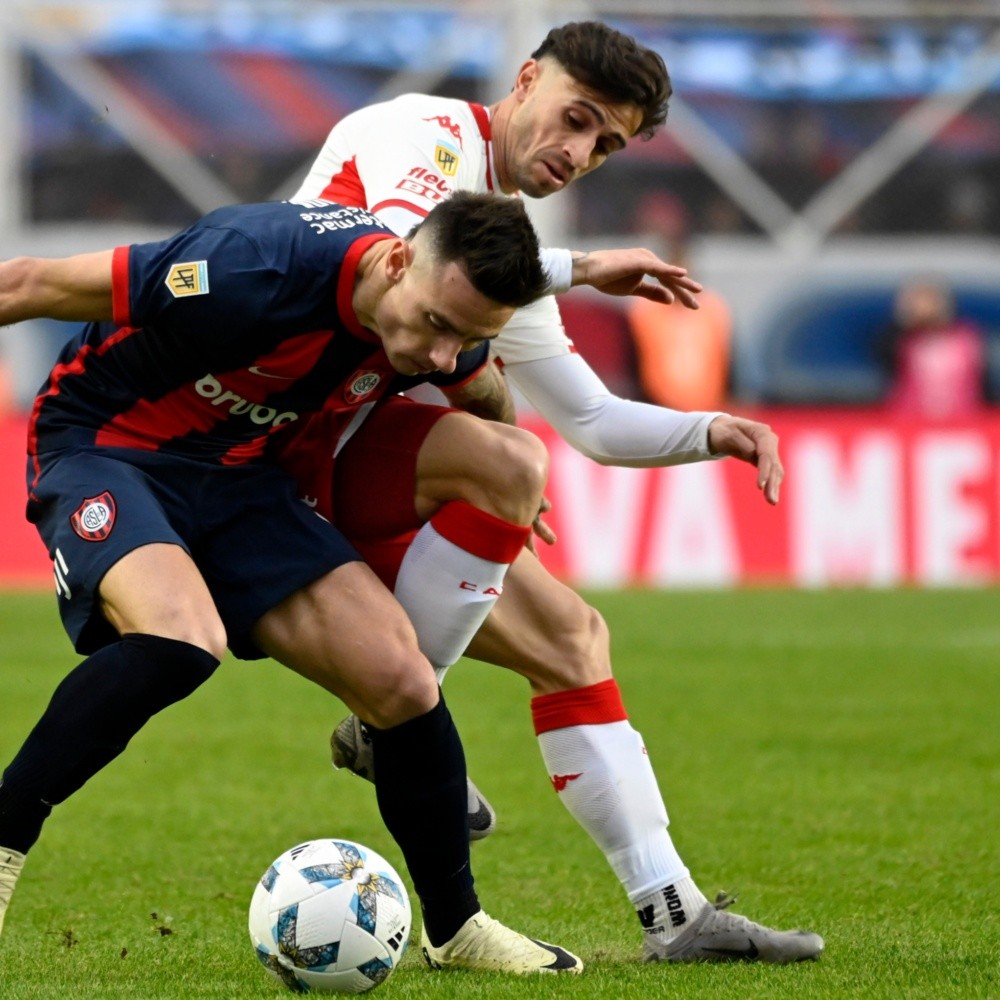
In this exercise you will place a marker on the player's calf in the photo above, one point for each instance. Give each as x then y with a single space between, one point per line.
351 750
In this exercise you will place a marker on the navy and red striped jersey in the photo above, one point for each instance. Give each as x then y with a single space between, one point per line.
235 327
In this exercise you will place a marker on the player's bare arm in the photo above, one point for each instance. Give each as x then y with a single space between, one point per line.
486 396
624 272
67 288
750 441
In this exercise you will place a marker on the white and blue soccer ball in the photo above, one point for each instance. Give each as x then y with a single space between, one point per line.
330 916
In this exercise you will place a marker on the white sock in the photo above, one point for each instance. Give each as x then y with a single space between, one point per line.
599 767
452 575
665 912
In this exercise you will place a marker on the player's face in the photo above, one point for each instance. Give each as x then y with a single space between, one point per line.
559 130
432 314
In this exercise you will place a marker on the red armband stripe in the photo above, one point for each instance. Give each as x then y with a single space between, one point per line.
121 308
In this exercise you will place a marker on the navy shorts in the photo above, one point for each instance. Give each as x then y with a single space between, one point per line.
254 542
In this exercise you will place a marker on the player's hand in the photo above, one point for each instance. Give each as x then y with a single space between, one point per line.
625 272
753 442
540 528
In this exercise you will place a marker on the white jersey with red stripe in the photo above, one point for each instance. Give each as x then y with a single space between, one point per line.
399 159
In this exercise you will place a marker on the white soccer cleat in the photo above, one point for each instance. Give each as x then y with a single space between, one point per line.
717 936
11 863
483 944
351 749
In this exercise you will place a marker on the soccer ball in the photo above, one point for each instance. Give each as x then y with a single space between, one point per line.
330 916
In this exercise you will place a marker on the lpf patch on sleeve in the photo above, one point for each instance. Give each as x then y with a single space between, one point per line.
190 278
94 518
446 157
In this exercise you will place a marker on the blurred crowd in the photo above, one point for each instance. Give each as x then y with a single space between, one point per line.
933 349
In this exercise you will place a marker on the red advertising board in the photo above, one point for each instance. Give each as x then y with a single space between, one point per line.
23 560
867 501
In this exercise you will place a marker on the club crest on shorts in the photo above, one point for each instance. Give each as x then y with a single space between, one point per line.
361 384
94 518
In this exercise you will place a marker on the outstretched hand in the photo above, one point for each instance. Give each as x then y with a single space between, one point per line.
625 272
753 442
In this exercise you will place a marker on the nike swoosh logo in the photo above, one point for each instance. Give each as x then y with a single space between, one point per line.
747 956
309 501
254 370
480 819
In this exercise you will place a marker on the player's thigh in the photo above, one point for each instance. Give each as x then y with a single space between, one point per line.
120 563
348 634
496 467
258 545
544 631
158 590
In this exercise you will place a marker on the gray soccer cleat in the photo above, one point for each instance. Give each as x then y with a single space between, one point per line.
351 749
11 863
717 936
483 944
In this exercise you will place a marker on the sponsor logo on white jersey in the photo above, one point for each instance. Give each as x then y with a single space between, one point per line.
453 128
426 184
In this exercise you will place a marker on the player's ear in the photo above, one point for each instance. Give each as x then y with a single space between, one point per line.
399 258
526 77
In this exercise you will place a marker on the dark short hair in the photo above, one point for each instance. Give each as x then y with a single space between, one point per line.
614 65
492 237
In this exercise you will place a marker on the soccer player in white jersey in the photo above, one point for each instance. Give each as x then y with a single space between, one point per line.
583 94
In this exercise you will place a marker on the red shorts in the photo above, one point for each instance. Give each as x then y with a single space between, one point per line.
368 490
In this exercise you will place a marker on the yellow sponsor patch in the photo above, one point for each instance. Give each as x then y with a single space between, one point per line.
190 278
446 157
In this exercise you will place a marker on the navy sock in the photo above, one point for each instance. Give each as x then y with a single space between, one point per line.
420 783
94 712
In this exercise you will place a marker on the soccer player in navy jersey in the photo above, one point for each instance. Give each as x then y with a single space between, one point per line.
171 538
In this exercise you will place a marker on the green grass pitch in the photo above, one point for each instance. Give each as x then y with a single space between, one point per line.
833 757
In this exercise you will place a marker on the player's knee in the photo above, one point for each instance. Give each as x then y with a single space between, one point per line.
517 467
406 688
529 463
207 635
201 629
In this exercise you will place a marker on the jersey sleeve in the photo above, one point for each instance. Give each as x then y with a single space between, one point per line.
534 332
213 281
571 397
